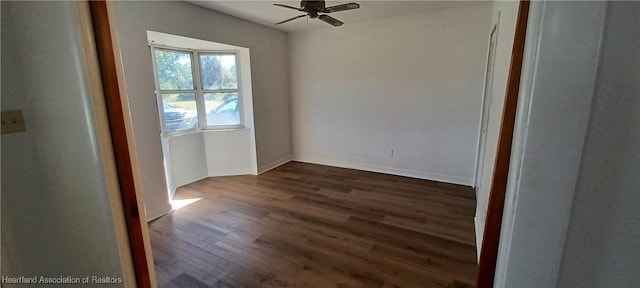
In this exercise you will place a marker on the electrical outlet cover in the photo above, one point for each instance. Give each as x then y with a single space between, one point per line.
12 121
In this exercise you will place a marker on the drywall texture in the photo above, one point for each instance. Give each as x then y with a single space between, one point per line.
602 247
56 213
558 88
270 79
412 84
504 14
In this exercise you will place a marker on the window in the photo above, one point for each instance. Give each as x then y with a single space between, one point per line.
220 88
196 89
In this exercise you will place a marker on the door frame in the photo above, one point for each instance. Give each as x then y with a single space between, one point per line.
493 222
118 130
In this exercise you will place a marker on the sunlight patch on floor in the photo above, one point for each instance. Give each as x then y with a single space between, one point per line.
177 204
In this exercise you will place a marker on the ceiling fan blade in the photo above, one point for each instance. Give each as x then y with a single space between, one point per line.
341 7
287 6
291 19
330 20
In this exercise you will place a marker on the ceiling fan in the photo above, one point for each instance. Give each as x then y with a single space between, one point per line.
313 8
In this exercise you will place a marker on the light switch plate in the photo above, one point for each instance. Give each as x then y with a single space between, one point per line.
12 121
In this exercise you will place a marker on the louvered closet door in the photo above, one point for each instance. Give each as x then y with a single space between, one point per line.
486 104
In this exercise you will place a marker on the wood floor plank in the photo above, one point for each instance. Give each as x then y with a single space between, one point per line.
185 280
438 229
305 225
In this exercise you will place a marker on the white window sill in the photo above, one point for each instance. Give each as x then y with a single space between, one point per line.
205 130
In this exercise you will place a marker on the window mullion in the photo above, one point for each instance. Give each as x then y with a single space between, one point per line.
221 91
239 88
202 113
176 91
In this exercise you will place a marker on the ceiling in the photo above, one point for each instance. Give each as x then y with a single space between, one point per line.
265 13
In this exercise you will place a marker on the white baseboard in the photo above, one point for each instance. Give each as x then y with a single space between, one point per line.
478 237
274 164
388 170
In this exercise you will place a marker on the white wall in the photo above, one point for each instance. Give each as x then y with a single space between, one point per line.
58 177
187 159
268 64
504 14
221 162
411 83
197 155
602 247
553 110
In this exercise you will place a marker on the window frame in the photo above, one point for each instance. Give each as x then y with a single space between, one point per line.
198 89
237 90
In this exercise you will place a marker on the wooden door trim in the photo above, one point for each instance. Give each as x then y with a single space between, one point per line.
493 220
117 127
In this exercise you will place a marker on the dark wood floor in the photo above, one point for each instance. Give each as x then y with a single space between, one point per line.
304 225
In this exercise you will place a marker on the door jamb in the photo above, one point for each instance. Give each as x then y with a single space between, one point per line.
117 127
493 222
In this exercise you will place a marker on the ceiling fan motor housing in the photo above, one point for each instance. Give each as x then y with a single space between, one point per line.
312 7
